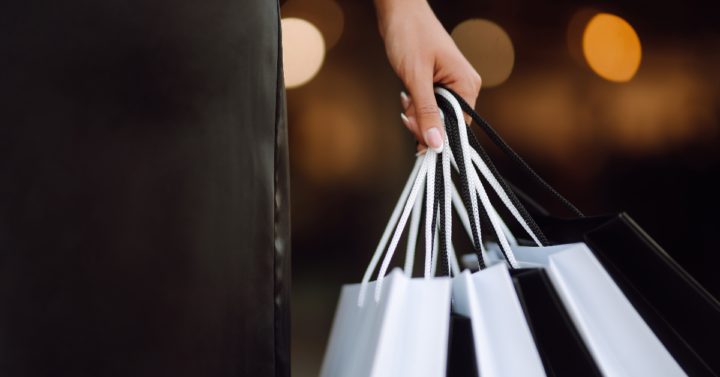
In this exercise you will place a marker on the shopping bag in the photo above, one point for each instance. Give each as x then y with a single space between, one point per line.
396 325
462 361
682 315
560 345
404 334
618 338
504 346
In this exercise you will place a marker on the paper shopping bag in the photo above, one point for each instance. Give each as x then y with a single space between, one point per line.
683 315
677 320
561 348
618 338
404 334
504 346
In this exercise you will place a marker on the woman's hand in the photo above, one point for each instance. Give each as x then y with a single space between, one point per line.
422 54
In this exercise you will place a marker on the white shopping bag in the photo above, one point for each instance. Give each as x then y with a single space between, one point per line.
619 340
404 334
504 345
401 328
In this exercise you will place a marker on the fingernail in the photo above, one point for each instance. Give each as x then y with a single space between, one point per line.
434 140
405 100
405 120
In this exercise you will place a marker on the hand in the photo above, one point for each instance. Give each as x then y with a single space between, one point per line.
422 54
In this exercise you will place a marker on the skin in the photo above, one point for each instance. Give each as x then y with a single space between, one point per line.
423 54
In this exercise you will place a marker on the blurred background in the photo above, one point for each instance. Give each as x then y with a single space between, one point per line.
616 104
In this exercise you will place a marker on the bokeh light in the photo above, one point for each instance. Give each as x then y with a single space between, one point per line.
303 51
488 48
611 47
326 15
576 31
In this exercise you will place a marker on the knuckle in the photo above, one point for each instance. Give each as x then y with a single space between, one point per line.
427 110
476 80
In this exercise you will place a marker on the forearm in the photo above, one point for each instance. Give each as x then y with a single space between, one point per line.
392 11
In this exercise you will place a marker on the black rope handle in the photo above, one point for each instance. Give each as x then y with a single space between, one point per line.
475 144
454 144
440 198
513 156
452 128
436 203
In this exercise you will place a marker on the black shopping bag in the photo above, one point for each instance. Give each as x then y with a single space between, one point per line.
683 315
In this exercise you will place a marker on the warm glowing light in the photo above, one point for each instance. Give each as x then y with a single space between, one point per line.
575 32
611 47
326 15
488 48
303 51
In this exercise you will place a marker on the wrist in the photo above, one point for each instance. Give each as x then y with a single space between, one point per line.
389 10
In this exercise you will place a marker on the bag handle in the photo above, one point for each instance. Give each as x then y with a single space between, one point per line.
472 189
434 172
411 185
509 152
492 176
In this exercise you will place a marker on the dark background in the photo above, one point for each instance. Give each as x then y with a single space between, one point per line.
648 147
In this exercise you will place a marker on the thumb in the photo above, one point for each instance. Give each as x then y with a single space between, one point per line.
427 112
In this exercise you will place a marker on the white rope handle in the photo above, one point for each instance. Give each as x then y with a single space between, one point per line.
429 205
473 177
413 232
503 195
423 173
505 233
493 218
460 207
465 146
388 229
464 219
401 225
476 187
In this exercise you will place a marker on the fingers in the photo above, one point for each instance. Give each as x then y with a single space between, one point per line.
427 114
405 100
468 88
408 119
464 81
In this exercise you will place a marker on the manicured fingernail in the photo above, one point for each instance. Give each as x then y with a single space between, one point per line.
405 120
434 140
405 100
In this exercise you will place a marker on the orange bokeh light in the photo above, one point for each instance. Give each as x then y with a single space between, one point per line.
611 47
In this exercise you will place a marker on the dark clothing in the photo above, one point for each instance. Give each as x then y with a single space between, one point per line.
144 220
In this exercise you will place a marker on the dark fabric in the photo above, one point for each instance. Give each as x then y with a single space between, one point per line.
282 226
143 189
